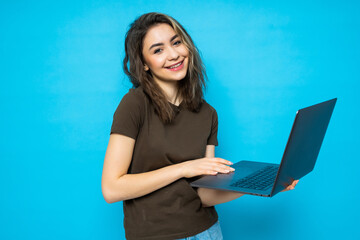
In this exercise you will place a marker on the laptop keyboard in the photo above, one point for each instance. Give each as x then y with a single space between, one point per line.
258 180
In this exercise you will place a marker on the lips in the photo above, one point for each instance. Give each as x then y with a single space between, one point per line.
175 65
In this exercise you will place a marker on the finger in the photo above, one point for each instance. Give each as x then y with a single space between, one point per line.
221 160
214 168
223 168
288 188
295 182
291 186
210 172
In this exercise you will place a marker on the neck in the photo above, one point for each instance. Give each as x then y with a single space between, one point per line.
170 88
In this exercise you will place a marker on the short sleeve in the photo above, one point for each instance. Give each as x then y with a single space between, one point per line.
212 139
127 119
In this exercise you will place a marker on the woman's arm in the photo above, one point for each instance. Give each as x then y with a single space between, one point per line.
117 185
210 197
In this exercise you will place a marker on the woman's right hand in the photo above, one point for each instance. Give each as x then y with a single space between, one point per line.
205 166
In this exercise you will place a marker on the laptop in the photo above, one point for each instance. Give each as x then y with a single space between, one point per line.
301 152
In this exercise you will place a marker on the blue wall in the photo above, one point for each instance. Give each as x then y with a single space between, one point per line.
61 80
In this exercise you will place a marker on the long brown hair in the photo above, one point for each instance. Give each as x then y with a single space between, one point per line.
190 88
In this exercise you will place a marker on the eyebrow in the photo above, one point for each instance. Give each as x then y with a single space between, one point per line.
161 44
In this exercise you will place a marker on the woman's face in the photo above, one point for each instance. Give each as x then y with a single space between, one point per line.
164 54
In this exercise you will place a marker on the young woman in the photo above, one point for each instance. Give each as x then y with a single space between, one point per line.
163 136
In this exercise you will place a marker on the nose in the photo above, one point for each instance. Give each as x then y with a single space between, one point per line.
173 54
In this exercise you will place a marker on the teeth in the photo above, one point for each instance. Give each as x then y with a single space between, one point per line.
176 65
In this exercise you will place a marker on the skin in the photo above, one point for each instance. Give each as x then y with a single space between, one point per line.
117 185
161 49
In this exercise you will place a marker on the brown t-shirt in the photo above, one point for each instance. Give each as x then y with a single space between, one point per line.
174 211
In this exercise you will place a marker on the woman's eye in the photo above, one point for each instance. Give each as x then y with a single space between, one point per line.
157 50
177 42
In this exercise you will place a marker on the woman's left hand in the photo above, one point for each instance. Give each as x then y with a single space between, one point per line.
291 186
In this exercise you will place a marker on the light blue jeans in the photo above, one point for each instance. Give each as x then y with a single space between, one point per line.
213 233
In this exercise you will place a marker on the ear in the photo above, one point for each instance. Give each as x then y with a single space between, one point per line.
146 68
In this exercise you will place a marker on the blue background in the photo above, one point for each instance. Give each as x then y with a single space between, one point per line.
61 80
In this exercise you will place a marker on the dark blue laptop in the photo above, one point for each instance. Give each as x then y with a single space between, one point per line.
301 152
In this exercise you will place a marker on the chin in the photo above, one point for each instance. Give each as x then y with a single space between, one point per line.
179 78
176 77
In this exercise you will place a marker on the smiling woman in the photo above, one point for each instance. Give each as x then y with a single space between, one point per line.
154 46
165 56
162 137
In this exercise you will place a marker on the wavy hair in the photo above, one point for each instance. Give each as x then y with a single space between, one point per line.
190 88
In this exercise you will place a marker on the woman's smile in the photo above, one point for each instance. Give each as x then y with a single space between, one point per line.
165 54
176 67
